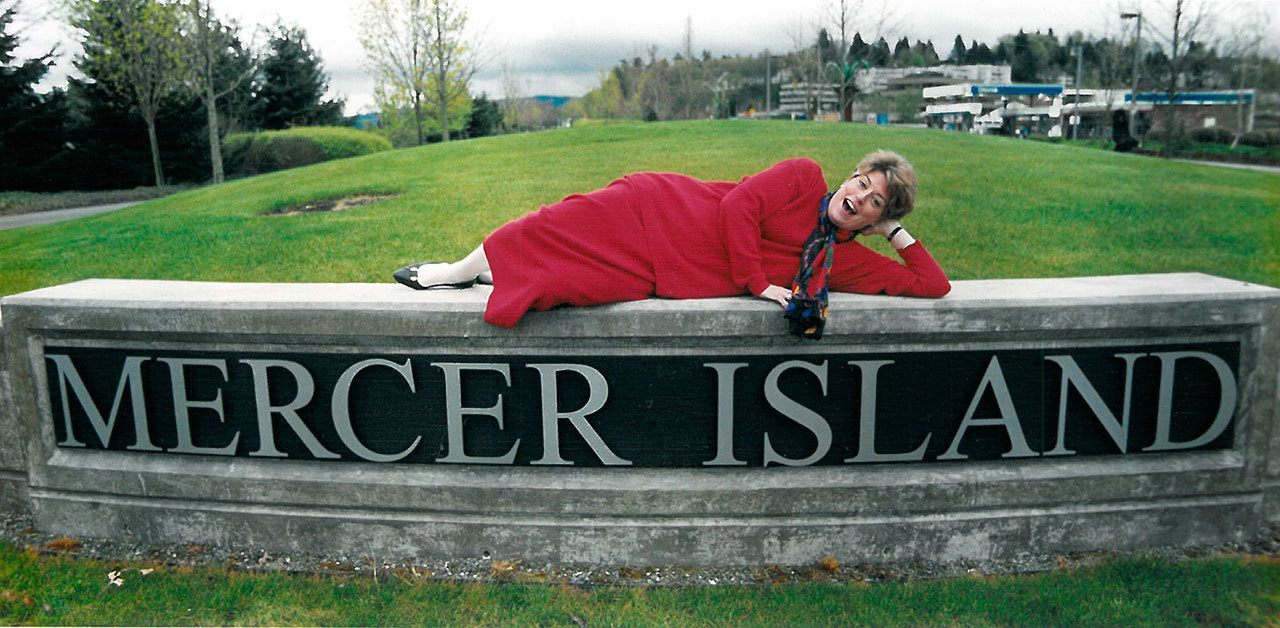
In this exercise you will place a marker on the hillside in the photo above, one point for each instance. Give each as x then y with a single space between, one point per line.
988 207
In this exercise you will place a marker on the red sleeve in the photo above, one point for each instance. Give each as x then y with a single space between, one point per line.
742 210
859 269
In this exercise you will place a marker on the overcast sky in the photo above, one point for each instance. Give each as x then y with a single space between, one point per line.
558 47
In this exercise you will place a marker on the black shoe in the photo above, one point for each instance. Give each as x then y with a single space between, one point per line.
409 277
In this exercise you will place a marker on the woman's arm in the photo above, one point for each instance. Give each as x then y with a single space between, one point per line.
859 269
742 210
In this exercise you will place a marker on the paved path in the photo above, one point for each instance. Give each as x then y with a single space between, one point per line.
58 215
1228 164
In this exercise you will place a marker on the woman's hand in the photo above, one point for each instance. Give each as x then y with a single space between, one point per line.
893 231
776 293
881 227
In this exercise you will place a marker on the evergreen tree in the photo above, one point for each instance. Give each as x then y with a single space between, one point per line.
925 52
957 55
293 83
486 117
104 150
1025 68
902 52
880 54
31 124
858 50
980 54
826 47
1003 53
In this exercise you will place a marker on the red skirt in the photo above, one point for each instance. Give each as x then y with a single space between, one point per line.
588 249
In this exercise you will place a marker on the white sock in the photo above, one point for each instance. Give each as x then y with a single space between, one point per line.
436 274
465 269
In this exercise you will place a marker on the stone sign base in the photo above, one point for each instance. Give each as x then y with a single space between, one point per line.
374 420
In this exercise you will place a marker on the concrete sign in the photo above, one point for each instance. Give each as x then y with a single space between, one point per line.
1009 418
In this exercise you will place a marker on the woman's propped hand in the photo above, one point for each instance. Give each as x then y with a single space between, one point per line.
776 293
881 227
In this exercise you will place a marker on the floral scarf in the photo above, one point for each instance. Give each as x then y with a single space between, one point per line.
806 312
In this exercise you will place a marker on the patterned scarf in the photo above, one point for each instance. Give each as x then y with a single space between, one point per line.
807 307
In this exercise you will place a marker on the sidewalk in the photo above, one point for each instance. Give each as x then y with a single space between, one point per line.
58 215
1228 164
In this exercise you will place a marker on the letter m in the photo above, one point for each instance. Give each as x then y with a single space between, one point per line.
130 377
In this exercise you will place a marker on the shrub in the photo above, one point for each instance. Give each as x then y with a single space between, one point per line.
1212 135
268 151
1261 139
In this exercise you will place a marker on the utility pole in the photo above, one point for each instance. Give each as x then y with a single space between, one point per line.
768 80
1075 127
1137 60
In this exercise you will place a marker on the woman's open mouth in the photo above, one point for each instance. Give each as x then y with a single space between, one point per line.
848 207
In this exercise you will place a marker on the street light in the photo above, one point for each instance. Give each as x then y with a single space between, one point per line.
1078 51
1137 59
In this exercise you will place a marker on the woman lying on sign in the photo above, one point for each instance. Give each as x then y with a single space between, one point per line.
674 236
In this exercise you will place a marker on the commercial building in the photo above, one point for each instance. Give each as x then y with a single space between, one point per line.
1021 109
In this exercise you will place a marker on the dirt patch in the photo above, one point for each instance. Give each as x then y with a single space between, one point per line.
330 204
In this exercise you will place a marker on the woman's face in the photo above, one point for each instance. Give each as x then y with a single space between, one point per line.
859 202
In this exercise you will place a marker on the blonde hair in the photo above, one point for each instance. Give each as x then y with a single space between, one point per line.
899 177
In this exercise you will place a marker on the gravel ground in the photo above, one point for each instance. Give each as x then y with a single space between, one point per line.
17 529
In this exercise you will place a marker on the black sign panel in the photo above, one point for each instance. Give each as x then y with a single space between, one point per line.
648 410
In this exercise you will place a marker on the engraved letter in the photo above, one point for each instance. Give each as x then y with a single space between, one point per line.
551 414
342 409
182 405
131 376
867 420
993 378
1164 408
724 414
454 412
289 411
798 413
1071 374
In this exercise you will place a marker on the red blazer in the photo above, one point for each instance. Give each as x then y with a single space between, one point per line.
715 238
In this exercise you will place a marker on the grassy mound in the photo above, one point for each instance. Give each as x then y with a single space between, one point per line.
988 207
269 151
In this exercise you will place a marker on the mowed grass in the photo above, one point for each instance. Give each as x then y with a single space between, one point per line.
988 207
50 590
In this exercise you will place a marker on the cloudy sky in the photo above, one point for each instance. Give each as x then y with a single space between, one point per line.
558 47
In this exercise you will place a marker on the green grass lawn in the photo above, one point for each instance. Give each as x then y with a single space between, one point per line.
989 207
45 590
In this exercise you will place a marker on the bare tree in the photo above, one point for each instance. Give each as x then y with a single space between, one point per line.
419 53
214 47
393 35
1111 59
1189 21
1245 45
843 69
690 74
452 59
134 49
883 18
514 94
805 65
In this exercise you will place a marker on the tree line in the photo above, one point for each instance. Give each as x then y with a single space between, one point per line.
1183 53
162 82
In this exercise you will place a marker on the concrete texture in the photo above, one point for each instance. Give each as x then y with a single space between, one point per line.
13 464
939 511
